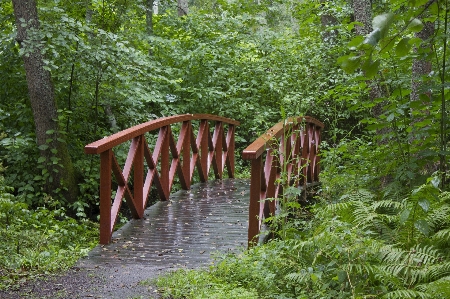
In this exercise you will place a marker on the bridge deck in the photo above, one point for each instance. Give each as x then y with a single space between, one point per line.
182 232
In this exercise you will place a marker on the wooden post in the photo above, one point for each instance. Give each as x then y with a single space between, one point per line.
105 197
229 159
139 177
254 207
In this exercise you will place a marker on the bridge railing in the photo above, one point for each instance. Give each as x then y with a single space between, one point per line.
291 146
158 165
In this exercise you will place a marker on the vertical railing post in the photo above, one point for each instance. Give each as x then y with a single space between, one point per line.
186 166
255 197
317 161
105 196
229 159
165 165
139 177
202 144
218 132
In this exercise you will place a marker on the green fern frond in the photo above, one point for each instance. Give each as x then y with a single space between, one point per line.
437 272
445 197
358 195
392 255
442 237
300 278
406 294
437 289
339 207
389 280
440 217
425 254
389 207
361 269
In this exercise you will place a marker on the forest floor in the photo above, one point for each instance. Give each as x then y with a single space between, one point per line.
102 282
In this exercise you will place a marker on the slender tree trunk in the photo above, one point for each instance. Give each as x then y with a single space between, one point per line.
149 16
41 93
421 66
328 20
183 9
362 10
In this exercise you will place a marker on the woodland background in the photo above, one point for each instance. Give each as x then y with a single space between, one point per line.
375 72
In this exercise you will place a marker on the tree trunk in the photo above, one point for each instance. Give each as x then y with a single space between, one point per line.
183 8
149 16
421 66
57 163
362 10
327 20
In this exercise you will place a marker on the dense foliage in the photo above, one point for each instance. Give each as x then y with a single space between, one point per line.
39 241
381 223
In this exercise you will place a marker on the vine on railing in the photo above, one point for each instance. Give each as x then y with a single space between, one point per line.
291 146
167 159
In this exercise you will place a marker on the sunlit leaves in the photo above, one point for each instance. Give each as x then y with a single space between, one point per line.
415 25
403 47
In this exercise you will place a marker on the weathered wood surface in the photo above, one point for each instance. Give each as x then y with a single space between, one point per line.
184 231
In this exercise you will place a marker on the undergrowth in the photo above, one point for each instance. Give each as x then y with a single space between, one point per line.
38 242
363 241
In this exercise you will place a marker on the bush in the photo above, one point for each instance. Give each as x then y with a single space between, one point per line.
37 242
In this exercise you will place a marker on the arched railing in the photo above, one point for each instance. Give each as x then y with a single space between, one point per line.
291 146
166 159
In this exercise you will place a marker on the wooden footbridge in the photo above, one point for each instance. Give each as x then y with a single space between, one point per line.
213 214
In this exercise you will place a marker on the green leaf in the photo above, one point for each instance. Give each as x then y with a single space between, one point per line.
382 23
43 147
41 159
373 38
416 25
390 117
422 226
424 204
371 68
349 63
48 132
355 42
404 215
436 181
403 47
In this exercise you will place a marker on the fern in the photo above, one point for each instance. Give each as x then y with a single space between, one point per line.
406 294
440 217
438 289
442 237
437 272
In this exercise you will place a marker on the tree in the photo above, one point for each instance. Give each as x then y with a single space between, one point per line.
57 165
183 9
362 10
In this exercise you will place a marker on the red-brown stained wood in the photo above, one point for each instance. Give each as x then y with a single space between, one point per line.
105 197
171 158
254 206
297 140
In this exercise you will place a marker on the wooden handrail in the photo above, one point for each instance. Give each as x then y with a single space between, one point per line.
179 157
291 145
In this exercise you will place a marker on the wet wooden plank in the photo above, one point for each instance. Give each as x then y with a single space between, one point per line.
184 231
